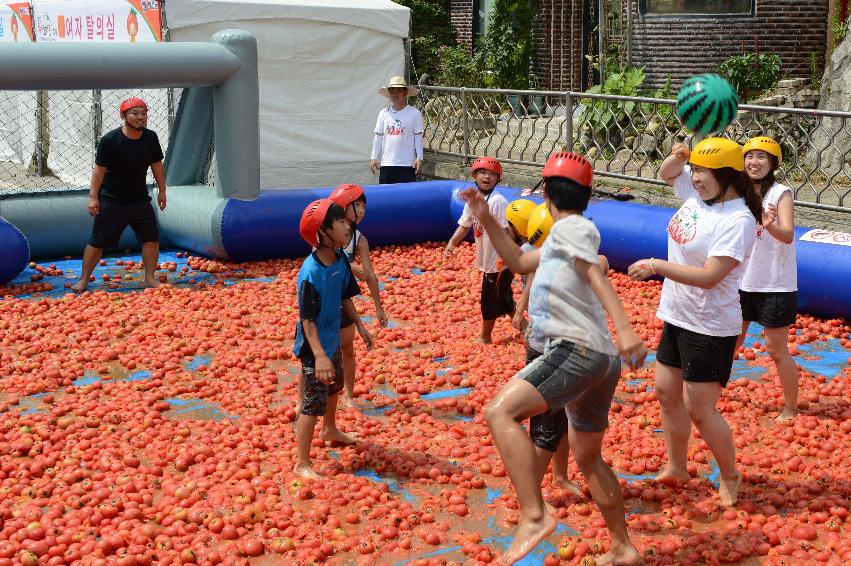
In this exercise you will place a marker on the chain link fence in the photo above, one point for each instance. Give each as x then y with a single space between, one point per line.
628 137
48 138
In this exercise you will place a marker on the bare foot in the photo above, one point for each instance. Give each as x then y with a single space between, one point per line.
306 472
570 486
786 415
152 283
337 436
79 286
728 490
672 476
347 402
624 555
529 534
481 340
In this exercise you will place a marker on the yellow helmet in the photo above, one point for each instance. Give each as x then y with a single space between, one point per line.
766 144
518 213
717 153
539 225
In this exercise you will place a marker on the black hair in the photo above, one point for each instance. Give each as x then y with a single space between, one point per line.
335 212
361 198
768 181
567 194
744 187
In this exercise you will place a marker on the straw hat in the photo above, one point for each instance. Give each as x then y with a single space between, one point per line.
398 82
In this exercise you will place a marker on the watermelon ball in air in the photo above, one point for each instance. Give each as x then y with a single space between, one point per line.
707 103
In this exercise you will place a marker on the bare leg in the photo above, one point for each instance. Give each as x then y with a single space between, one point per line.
91 257
300 394
517 401
347 345
741 339
776 344
608 495
700 399
560 459
150 256
330 432
304 437
487 332
675 422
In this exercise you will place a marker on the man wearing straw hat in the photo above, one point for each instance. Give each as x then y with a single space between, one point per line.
397 149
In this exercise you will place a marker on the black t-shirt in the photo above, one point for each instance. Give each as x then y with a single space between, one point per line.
127 163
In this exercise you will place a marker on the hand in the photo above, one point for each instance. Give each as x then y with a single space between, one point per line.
382 318
681 151
631 348
324 369
94 206
477 203
519 322
769 216
418 163
373 166
161 200
640 270
365 335
447 251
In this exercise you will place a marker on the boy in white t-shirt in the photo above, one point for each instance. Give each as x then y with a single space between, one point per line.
580 367
397 148
496 298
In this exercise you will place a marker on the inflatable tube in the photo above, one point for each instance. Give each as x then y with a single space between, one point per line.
14 249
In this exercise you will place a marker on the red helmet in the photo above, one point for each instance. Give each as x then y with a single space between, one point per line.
488 163
344 195
570 166
312 218
132 103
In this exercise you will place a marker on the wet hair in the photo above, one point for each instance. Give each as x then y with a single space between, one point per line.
744 187
335 212
567 194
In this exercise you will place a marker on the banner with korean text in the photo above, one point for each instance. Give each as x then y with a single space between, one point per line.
16 24
122 21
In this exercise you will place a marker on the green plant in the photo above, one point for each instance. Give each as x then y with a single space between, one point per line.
751 74
604 114
430 31
507 45
458 68
815 72
840 26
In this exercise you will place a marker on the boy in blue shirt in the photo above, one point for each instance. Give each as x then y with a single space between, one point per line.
324 282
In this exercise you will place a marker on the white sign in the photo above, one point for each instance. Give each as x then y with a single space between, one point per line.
827 237
122 21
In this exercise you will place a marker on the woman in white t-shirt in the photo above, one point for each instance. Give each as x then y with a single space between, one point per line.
769 289
709 241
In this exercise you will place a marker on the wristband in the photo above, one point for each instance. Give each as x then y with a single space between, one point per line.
652 269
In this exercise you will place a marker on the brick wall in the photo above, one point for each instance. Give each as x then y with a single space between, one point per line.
461 16
551 36
680 47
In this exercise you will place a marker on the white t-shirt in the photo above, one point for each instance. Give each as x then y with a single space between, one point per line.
399 130
773 267
561 303
696 232
351 248
486 256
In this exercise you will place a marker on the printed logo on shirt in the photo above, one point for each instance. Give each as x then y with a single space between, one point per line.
397 128
683 226
759 231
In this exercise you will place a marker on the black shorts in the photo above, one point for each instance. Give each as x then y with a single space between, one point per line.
115 216
396 174
345 321
702 358
546 430
497 299
772 310
314 400
573 377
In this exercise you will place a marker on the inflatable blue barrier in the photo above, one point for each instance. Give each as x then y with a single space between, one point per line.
14 251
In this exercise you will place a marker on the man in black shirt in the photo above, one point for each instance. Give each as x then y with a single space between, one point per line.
118 196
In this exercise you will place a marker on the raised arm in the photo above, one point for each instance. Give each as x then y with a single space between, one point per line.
780 220
674 163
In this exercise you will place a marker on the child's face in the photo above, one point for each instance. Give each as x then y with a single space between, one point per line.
339 233
356 211
485 179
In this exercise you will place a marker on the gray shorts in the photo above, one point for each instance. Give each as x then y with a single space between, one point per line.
582 381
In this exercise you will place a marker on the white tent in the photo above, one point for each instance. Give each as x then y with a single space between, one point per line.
320 64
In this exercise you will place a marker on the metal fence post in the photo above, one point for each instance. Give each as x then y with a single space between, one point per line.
97 109
568 119
466 123
41 133
170 109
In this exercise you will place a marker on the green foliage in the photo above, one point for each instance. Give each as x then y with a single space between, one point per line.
840 26
507 45
458 68
751 74
603 114
815 72
430 30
